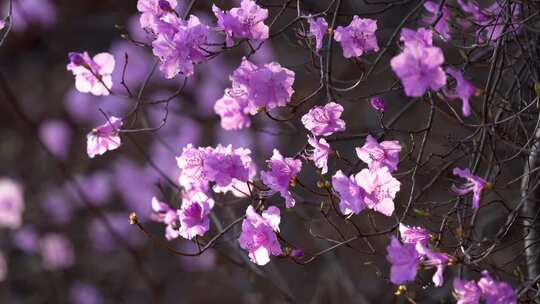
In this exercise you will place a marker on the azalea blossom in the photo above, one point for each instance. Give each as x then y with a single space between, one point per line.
168 216
194 214
414 235
380 189
441 27
224 164
56 251
92 75
377 155
244 22
421 37
258 235
495 292
11 204
475 184
320 152
404 260
466 292
435 259
104 138
377 103
463 90
318 27
358 37
282 171
152 10
191 164
233 110
56 135
324 121
350 193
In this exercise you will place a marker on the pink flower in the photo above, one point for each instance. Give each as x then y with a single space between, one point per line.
92 75
240 188
324 121
244 22
282 171
350 193
441 27
223 164
422 37
194 215
233 110
377 103
466 292
166 215
377 155
463 90
258 235
380 189
11 204
413 235
320 152
318 27
104 138
474 183
358 37
494 292
179 45
191 164
57 252
152 11
404 260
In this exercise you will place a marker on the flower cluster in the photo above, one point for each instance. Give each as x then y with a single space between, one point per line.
244 22
488 289
358 37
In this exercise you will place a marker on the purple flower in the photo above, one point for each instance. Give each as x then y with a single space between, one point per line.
466 292
377 155
358 37
422 37
162 213
434 259
380 189
223 164
441 27
413 235
474 183
282 171
58 206
495 292
244 22
101 236
179 45
404 260
318 27
92 75
350 193
233 110
39 13
104 138
237 187
11 204
56 135
204 262
463 90
26 239
377 103
84 293
56 251
191 164
319 154
194 215
258 235
419 69
324 121
152 11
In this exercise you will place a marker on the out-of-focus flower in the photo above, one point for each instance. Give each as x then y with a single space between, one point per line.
320 152
258 235
84 293
244 22
58 205
11 203
204 262
421 37
282 171
193 215
377 103
358 37
441 27
101 236
377 155
26 239
324 121
92 75
104 138
56 251
380 189
350 193
463 90
25 13
56 135
404 260
475 184
466 292
318 27
136 186
495 292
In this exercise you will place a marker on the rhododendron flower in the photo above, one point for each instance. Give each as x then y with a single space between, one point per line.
463 90
56 251
318 27
414 235
441 26
380 189
194 215
26 239
153 10
282 171
422 37
166 215
377 155
104 138
179 45
434 259
494 292
324 121
191 164
233 110
223 164
11 204
474 183
246 21
350 193
240 188
377 103
258 235
319 154
466 292
358 37
83 293
419 69
404 260
92 75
